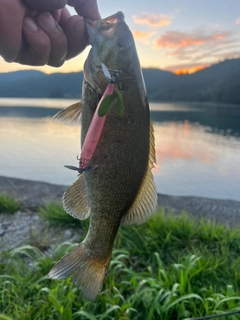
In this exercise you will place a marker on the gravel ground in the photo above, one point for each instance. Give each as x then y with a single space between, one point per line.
26 226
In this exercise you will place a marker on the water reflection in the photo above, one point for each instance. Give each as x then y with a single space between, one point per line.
220 118
37 149
194 161
197 146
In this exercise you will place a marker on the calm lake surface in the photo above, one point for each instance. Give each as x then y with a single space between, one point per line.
197 146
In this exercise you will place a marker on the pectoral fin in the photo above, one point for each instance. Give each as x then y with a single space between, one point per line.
75 200
145 203
70 116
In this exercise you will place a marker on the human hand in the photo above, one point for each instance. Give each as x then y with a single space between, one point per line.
39 32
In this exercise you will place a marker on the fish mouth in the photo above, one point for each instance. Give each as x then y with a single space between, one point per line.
111 20
106 26
115 18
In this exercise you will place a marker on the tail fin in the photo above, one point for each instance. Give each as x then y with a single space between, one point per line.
88 272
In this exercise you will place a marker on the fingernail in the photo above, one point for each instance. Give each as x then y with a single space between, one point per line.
79 28
30 25
48 21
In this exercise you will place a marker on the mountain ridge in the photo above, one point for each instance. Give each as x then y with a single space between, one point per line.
217 83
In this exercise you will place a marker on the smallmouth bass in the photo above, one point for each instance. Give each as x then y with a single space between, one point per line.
121 189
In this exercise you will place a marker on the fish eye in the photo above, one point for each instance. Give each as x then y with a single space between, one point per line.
121 44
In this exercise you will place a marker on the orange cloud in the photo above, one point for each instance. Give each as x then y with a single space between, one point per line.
238 21
181 40
197 45
139 35
152 19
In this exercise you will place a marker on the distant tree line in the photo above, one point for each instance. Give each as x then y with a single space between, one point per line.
218 83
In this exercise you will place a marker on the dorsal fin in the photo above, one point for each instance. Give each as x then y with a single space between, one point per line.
71 116
75 200
145 203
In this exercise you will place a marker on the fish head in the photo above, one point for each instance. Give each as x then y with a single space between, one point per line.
112 45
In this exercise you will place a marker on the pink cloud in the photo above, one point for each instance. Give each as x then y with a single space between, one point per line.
238 21
143 37
197 46
140 35
182 40
152 19
224 53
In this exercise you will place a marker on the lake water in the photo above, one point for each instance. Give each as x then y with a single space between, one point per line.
197 146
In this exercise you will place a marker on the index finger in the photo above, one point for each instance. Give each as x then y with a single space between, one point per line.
86 8
11 19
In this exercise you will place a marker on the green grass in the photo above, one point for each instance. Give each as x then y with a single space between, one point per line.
8 204
57 216
168 269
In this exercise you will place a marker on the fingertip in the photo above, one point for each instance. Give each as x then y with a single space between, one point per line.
77 37
37 47
86 8
57 37
57 14
78 27
46 5
65 15
29 25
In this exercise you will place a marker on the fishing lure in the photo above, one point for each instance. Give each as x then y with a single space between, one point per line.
110 97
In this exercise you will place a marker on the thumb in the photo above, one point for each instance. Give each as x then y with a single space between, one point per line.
45 5
86 8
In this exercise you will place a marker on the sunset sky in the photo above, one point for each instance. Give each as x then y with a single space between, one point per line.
175 35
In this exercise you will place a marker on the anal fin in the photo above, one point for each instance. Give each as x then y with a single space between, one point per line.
75 200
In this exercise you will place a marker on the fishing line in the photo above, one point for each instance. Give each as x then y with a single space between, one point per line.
216 316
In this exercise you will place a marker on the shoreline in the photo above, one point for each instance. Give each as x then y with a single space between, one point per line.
65 101
33 194
28 227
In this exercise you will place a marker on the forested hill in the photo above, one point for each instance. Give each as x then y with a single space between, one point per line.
217 83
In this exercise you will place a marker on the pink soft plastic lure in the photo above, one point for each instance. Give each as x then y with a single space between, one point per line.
94 130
